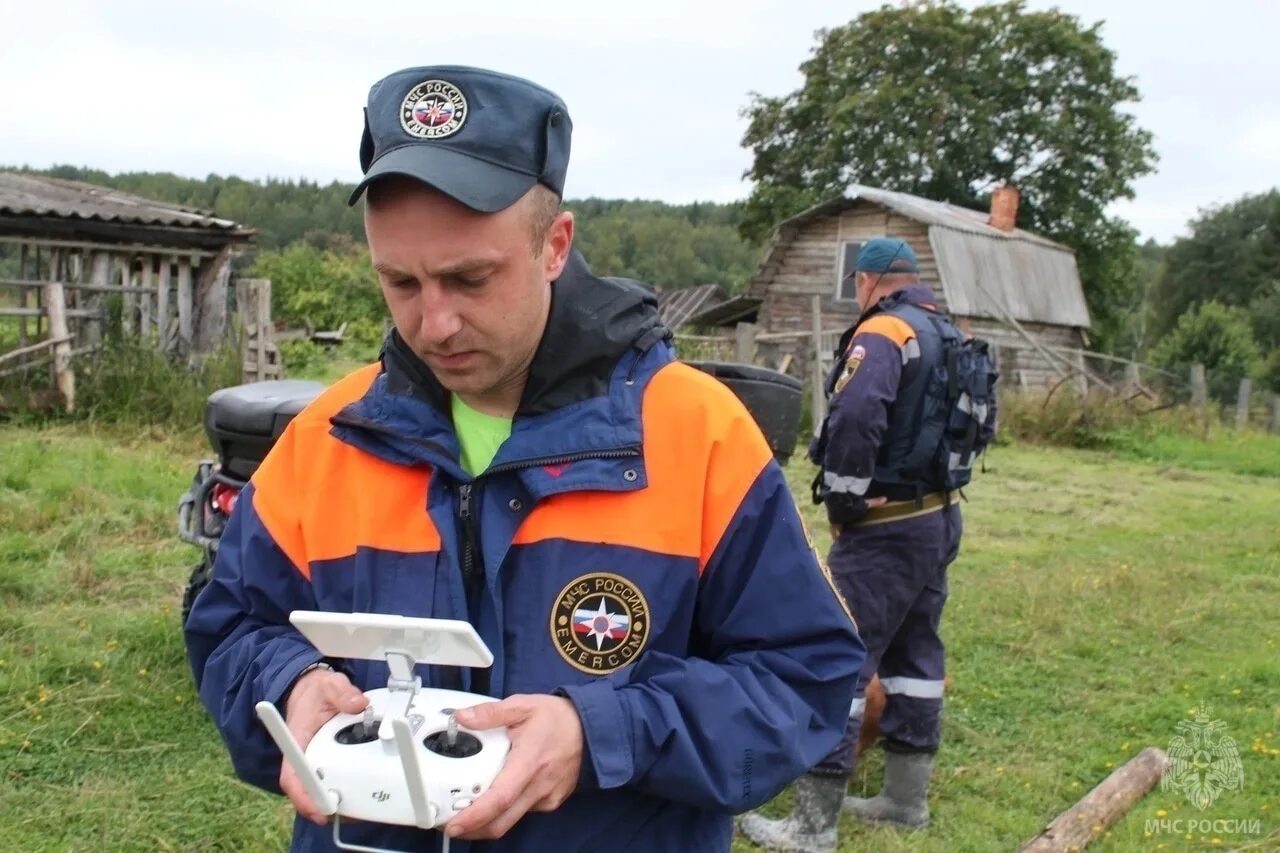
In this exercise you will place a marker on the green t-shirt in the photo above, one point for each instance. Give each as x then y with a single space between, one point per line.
480 435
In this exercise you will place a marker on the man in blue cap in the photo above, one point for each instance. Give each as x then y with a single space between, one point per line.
895 528
529 456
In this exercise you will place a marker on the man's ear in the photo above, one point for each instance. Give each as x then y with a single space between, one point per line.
555 252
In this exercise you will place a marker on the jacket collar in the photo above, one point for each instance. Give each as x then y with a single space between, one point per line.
917 294
583 393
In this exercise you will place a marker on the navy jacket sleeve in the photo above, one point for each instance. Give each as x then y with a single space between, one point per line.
762 697
240 644
859 414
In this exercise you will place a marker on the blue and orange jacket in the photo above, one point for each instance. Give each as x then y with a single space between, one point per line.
633 546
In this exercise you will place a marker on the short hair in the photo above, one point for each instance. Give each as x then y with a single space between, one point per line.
893 280
544 207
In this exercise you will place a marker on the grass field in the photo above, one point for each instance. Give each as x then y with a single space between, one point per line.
1097 601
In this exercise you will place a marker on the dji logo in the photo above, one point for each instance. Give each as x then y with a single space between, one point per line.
381 796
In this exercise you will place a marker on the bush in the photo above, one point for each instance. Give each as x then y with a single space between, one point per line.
1269 373
1218 337
132 383
1096 421
302 356
323 288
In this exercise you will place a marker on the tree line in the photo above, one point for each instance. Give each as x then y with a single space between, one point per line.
948 104
665 244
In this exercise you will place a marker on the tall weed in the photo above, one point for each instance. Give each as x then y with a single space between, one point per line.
135 384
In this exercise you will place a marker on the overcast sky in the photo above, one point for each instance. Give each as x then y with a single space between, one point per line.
259 88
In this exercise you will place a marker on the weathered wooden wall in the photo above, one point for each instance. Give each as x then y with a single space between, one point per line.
806 264
1021 365
170 299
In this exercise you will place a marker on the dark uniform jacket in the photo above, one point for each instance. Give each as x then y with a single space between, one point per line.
631 486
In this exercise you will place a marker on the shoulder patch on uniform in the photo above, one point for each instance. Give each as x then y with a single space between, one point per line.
600 622
856 354
887 326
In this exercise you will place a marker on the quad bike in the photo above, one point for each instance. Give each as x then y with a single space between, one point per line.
244 421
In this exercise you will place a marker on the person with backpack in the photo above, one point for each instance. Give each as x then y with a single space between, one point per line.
911 406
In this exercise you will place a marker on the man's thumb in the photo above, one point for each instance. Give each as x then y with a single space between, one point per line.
344 696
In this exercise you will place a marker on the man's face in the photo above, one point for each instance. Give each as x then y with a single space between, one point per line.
468 292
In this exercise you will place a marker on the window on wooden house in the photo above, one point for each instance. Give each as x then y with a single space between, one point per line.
844 284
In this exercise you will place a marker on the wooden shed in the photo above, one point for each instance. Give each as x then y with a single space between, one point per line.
1018 290
79 262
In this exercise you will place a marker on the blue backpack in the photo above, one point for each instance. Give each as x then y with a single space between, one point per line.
947 414
942 420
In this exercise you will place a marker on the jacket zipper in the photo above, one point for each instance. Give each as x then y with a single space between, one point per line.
472 562
472 565
470 537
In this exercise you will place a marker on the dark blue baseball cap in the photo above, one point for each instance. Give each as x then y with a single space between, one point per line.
886 255
480 137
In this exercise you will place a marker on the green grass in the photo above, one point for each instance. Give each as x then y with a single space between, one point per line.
1244 452
1098 599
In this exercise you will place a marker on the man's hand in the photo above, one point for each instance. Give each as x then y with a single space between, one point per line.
315 699
542 767
837 529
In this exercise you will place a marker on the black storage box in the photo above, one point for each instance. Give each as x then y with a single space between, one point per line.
244 421
772 398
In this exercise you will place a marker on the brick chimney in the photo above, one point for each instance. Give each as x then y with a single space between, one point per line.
1004 208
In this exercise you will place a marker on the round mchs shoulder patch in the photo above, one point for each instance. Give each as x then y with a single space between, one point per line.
433 109
600 622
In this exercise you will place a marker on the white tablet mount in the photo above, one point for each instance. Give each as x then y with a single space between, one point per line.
404 760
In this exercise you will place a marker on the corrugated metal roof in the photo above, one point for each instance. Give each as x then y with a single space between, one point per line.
989 277
31 195
675 307
984 272
945 214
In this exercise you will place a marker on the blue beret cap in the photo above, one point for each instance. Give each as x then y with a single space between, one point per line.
885 255
480 137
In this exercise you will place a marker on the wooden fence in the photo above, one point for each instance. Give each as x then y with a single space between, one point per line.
1080 369
69 297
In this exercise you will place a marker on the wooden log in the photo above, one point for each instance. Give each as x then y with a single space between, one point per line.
1101 807
210 321
262 319
88 287
184 304
1199 392
744 343
99 280
64 378
45 361
146 316
129 300
1242 403
41 312
30 348
162 302
22 292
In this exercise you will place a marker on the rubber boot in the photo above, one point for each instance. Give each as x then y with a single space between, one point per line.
903 801
811 826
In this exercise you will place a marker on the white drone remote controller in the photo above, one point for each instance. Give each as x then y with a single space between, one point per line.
404 760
